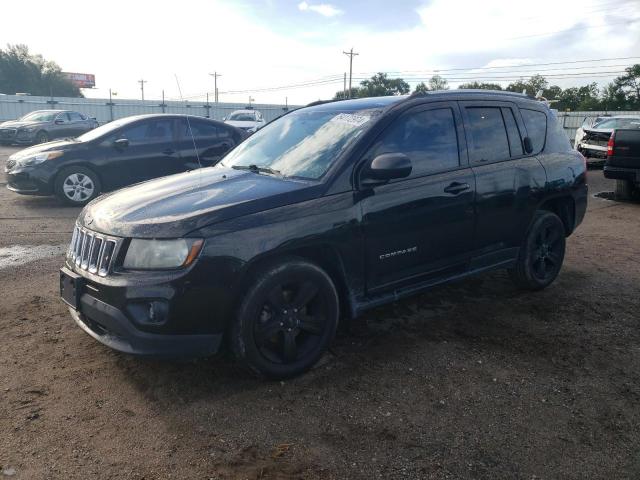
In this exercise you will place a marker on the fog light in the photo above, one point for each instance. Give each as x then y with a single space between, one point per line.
158 312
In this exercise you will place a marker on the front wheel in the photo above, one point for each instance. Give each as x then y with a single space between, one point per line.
77 186
286 320
541 254
42 137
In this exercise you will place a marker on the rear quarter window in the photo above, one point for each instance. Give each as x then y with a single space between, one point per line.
536 125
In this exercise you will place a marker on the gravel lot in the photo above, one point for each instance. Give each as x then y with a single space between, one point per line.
473 380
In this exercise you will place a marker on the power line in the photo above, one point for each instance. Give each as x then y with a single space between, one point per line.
506 66
465 73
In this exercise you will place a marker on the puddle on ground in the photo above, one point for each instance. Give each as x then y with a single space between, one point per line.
20 254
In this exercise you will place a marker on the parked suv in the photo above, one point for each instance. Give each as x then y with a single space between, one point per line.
42 126
328 211
248 120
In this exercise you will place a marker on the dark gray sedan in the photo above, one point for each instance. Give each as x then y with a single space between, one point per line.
44 125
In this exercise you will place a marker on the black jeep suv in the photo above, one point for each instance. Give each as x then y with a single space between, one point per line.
325 212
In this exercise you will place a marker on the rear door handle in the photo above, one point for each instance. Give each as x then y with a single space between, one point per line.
456 188
169 151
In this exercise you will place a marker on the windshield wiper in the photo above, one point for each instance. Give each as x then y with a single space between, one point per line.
256 169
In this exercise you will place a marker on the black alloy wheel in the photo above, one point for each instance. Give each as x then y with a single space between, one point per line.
542 253
287 319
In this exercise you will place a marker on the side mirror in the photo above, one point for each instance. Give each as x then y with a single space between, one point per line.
58 121
528 146
385 167
121 143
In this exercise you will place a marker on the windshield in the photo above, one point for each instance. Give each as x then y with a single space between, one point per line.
39 117
102 130
242 117
619 123
300 144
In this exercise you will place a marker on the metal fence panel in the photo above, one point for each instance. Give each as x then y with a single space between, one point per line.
15 106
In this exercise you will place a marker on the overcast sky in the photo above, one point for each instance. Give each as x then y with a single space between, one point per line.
258 44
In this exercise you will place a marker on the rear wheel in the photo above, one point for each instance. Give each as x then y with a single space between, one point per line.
42 137
542 253
77 186
286 320
624 189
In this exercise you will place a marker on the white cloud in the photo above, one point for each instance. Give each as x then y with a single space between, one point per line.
324 9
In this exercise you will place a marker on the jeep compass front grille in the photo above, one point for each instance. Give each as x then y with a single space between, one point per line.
91 251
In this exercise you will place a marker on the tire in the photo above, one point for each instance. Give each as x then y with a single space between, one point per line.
286 320
541 254
624 189
42 137
77 186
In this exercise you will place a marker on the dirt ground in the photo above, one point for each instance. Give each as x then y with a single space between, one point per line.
473 380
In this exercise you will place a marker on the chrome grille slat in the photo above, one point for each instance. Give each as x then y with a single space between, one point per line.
91 251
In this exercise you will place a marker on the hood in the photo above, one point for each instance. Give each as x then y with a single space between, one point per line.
45 147
242 124
598 130
176 205
18 124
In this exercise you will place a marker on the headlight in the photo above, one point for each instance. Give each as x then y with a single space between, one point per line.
162 254
39 158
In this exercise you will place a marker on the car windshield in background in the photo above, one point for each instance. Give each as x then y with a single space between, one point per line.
102 130
39 117
619 123
242 117
301 144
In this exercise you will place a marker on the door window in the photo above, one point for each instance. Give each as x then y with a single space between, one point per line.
64 116
199 129
488 135
152 131
428 138
515 140
536 124
75 117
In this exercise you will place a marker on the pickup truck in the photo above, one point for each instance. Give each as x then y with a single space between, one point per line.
623 161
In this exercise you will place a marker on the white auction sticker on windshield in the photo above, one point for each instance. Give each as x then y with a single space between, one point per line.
351 119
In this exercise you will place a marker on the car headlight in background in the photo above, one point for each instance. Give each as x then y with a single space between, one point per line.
38 158
162 254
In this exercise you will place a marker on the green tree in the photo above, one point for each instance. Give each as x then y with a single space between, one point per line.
438 83
342 95
480 86
613 97
21 71
381 85
531 86
421 88
629 83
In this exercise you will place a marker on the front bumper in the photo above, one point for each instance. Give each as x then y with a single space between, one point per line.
593 151
163 317
111 327
28 182
13 136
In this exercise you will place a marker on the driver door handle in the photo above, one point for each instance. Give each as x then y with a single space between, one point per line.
456 187
169 151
